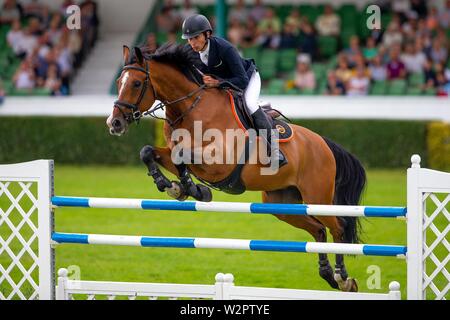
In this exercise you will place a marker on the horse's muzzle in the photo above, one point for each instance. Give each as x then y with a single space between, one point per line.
117 126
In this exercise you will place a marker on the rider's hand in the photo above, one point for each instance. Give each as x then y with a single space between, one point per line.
210 81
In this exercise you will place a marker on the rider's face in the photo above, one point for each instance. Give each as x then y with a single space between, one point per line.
198 43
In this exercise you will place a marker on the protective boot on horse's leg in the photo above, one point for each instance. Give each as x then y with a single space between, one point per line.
260 119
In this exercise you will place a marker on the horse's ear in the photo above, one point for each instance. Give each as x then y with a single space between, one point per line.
126 54
139 55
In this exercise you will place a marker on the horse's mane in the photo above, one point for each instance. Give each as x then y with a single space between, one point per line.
178 55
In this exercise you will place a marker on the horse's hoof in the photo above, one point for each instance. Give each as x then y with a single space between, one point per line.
146 154
347 285
326 272
206 194
176 191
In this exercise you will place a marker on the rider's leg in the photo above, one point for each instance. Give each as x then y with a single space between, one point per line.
260 118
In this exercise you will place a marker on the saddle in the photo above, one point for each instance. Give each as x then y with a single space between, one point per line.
245 120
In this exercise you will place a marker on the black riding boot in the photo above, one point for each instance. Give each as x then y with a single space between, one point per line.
261 122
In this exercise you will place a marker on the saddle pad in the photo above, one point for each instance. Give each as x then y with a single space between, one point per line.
284 129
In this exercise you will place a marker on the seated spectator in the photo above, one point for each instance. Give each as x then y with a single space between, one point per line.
235 32
55 31
238 12
409 28
52 81
288 37
358 85
444 16
14 36
35 9
35 27
335 87
371 50
271 21
352 51
258 11
343 72
304 77
438 53
395 68
360 63
412 59
393 35
250 34
329 23
377 69
187 10
401 7
11 10
429 75
294 19
42 65
27 43
151 42
24 78
89 23
419 7
308 40
168 20
269 38
432 19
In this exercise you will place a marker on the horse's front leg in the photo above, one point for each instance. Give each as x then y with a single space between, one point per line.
152 156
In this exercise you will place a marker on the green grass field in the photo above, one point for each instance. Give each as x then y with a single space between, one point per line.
265 269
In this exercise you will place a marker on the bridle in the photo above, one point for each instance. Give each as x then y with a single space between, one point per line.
135 115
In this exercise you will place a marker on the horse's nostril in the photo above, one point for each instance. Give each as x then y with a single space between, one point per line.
117 124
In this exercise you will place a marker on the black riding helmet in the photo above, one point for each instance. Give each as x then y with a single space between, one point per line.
195 25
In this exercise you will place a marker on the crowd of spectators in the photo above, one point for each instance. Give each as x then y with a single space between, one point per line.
415 41
48 51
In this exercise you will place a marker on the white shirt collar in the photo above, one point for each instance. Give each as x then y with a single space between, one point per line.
204 55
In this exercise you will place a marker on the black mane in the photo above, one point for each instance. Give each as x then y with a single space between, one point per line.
178 55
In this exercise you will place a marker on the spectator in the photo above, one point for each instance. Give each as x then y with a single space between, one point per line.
288 37
235 32
444 16
269 38
420 7
304 77
168 20
239 12
401 7
409 28
308 41
27 43
151 42
64 6
187 10
14 37
258 11
377 70
360 63
24 78
371 50
395 68
393 35
358 85
11 11
343 72
412 59
438 53
335 87
329 23
55 31
35 27
432 20
52 82
250 34
353 51
35 9
270 21
294 19
429 75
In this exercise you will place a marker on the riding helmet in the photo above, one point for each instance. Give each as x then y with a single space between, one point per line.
195 25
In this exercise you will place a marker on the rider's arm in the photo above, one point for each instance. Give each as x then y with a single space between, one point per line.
234 63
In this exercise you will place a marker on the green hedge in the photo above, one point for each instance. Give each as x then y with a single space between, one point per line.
379 144
70 140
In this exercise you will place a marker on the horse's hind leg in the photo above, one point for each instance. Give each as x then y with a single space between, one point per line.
310 224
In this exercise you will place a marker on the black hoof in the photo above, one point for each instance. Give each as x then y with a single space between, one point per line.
326 272
147 154
205 192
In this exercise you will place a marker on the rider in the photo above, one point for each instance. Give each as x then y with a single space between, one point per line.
222 60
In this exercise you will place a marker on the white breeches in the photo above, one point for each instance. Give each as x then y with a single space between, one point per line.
252 93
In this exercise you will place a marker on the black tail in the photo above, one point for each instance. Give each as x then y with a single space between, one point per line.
349 184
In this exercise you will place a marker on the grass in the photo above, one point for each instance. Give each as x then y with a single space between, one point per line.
266 269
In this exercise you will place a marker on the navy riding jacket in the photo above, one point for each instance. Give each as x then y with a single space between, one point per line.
226 64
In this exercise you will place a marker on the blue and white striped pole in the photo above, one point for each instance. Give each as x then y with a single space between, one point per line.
256 208
254 245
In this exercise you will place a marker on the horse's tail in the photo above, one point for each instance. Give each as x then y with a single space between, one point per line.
349 184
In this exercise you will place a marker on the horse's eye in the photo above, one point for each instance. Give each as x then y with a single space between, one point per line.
137 84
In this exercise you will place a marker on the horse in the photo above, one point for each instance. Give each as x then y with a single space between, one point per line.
318 171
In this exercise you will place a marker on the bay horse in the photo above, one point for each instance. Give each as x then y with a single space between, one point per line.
319 171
